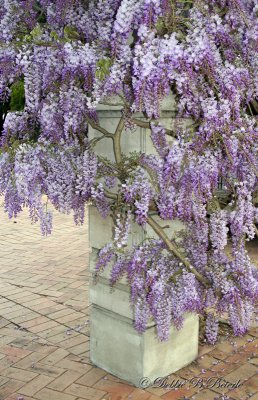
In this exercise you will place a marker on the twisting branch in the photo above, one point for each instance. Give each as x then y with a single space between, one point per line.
99 128
117 140
94 141
142 124
146 125
255 105
256 230
242 13
173 249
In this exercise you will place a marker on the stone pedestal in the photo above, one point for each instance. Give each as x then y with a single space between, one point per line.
119 349
114 343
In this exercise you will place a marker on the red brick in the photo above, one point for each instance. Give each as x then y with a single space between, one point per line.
34 322
19 374
176 394
48 370
251 347
244 391
28 361
14 351
139 394
92 377
114 387
80 348
65 380
15 396
253 360
85 392
204 349
25 318
39 347
44 327
61 313
225 346
70 317
47 334
55 356
220 355
3 322
244 372
3 380
47 394
73 341
62 338
206 394
7 362
35 385
157 391
9 388
73 365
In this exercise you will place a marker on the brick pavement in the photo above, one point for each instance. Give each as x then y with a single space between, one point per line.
44 328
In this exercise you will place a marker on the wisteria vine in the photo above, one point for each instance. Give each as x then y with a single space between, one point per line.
59 60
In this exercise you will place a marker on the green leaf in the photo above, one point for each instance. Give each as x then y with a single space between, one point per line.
17 99
54 35
103 68
36 32
27 38
160 24
71 33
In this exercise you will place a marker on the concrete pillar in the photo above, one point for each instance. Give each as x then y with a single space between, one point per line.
114 343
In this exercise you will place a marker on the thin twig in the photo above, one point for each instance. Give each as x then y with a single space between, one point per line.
99 128
117 140
146 125
224 322
94 141
255 105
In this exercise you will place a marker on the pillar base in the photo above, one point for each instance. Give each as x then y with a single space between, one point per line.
118 348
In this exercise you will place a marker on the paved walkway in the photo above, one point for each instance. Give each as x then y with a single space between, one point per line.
44 327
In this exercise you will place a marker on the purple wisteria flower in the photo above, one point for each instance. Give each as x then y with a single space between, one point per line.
60 60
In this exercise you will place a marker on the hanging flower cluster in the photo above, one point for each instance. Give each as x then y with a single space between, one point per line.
59 60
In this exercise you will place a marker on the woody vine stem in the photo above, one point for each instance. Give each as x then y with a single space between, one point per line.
116 138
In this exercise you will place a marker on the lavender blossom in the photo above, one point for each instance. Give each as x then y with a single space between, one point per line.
69 56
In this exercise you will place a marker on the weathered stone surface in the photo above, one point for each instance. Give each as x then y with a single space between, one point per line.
117 347
115 344
101 230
